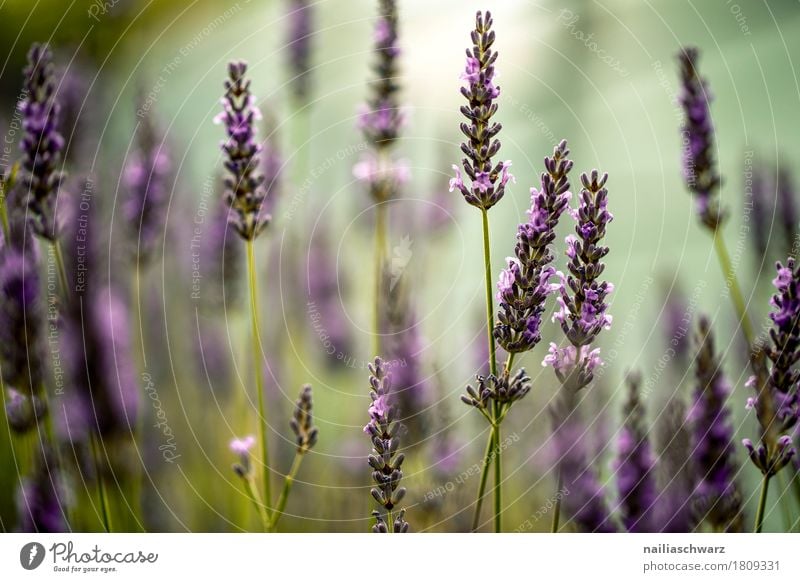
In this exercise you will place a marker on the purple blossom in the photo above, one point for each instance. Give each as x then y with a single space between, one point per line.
42 145
777 403
716 497
673 512
244 190
385 460
635 466
299 46
487 180
699 167
525 285
23 412
146 179
42 498
241 448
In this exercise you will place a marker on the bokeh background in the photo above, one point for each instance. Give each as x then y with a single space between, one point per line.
601 74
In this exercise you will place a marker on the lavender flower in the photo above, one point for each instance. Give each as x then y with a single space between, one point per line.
487 181
23 411
583 496
42 499
299 45
302 422
762 207
381 118
635 465
20 322
224 258
699 167
241 448
787 207
525 284
716 498
776 403
582 301
244 191
42 144
146 176
673 513
504 390
385 460
676 319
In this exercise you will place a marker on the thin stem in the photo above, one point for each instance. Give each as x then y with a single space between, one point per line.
380 251
557 508
62 272
287 488
487 461
487 263
736 292
101 486
255 498
138 481
498 476
256 336
762 503
4 216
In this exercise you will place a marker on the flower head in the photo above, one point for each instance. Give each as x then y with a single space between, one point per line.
487 179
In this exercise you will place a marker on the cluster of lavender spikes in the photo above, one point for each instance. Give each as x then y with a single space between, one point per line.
524 286
487 180
385 460
716 497
244 190
699 167
777 403
42 144
582 297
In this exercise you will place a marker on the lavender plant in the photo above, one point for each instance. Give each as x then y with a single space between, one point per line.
787 207
306 434
674 512
244 194
385 459
244 470
582 299
716 497
485 188
700 172
635 466
380 120
777 403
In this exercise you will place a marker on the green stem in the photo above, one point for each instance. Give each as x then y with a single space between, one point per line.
257 351
498 476
4 216
487 264
380 250
557 508
736 292
101 486
138 480
255 498
287 488
762 503
487 461
62 272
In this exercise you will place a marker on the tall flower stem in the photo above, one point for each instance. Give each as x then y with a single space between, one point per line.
257 352
380 256
138 480
498 474
557 508
62 272
487 461
287 488
762 504
736 292
105 512
487 262
255 498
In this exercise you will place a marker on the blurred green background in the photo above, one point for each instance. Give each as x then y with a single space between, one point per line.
556 83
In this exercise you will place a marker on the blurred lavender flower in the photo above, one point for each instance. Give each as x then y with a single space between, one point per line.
42 498
146 175
635 466
716 496
241 448
525 284
244 190
762 207
272 164
77 108
777 403
385 461
225 258
299 45
21 322
673 513
677 322
787 209
42 144
582 301
381 118
699 167
487 181
23 411
583 496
